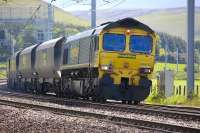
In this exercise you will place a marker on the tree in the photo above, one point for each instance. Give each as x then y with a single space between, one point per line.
26 37
172 42
66 30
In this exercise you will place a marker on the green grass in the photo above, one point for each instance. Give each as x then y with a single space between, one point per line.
160 67
193 102
171 22
2 74
181 74
183 82
2 64
179 82
2 70
174 100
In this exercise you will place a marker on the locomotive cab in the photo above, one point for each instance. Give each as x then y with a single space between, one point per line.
126 62
112 61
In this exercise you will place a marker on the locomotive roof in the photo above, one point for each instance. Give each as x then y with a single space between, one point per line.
50 43
80 35
126 22
29 49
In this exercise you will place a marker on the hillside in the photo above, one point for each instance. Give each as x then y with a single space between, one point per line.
171 21
111 15
64 17
60 15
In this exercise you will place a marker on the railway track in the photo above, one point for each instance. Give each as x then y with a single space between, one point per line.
186 113
164 127
3 83
174 107
3 80
183 113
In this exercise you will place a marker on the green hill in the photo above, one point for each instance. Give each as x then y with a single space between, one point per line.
171 21
60 15
66 18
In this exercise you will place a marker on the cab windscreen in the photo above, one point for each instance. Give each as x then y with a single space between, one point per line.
114 42
141 44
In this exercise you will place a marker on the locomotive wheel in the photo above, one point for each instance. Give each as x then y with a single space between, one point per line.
94 99
35 86
123 101
129 102
86 98
59 93
97 100
44 88
102 100
57 86
25 87
38 89
13 85
136 102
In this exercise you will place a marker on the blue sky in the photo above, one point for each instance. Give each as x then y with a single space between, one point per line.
70 5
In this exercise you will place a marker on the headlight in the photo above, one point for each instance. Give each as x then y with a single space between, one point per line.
104 67
59 73
34 73
107 68
145 70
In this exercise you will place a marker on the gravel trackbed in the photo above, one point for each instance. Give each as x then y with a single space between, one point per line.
15 120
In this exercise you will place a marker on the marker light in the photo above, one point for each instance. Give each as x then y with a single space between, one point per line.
107 68
145 70
104 67
128 31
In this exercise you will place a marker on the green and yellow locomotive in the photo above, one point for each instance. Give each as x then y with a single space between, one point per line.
112 61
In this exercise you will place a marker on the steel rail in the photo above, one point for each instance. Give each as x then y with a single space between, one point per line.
3 80
181 107
176 113
114 119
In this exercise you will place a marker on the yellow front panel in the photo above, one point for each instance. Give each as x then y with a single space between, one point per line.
125 64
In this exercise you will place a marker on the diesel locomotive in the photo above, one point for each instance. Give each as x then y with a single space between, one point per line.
112 61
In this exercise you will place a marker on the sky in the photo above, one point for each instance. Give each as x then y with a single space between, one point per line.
71 5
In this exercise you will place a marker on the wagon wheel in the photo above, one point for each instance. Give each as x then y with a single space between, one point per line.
123 101
136 102
129 102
